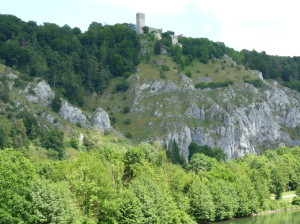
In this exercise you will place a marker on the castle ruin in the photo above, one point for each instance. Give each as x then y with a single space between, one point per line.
140 22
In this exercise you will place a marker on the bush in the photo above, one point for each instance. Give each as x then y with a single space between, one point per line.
74 143
298 191
296 201
126 110
258 83
54 140
216 153
4 95
127 74
31 91
213 85
106 132
56 103
112 119
174 154
127 121
122 86
162 75
165 68
188 74
89 142
129 135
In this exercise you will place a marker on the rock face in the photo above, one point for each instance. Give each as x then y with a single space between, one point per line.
239 119
39 93
72 114
101 120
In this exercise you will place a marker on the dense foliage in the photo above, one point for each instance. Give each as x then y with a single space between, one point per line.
120 183
284 69
71 61
205 49
213 85
216 153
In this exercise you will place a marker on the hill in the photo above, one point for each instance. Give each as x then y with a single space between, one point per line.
76 111
147 88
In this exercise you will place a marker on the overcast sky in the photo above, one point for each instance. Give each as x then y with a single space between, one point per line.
263 25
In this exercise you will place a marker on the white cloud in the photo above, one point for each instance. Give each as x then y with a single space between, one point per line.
154 6
263 25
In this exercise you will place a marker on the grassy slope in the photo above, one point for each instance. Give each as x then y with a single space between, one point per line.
114 103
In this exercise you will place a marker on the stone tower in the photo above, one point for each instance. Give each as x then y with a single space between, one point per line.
140 22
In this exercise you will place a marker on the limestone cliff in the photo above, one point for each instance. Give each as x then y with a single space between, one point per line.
240 118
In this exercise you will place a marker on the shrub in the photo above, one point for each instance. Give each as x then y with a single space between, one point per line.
213 85
122 86
298 191
165 68
126 110
188 74
112 119
4 95
129 135
216 153
89 142
56 103
54 140
31 91
296 201
258 83
74 143
127 121
127 74
162 75
106 132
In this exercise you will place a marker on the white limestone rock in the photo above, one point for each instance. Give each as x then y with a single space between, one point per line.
187 83
100 119
72 114
11 76
43 94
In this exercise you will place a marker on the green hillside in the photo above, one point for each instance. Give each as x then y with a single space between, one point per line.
180 116
116 102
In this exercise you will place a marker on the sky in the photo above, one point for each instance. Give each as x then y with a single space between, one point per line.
263 25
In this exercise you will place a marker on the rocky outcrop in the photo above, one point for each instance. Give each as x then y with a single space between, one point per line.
239 119
39 93
72 114
100 119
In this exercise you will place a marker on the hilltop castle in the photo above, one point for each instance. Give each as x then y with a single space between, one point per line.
140 23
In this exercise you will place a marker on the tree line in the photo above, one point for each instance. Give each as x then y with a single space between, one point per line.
75 62
116 182
71 61
286 70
